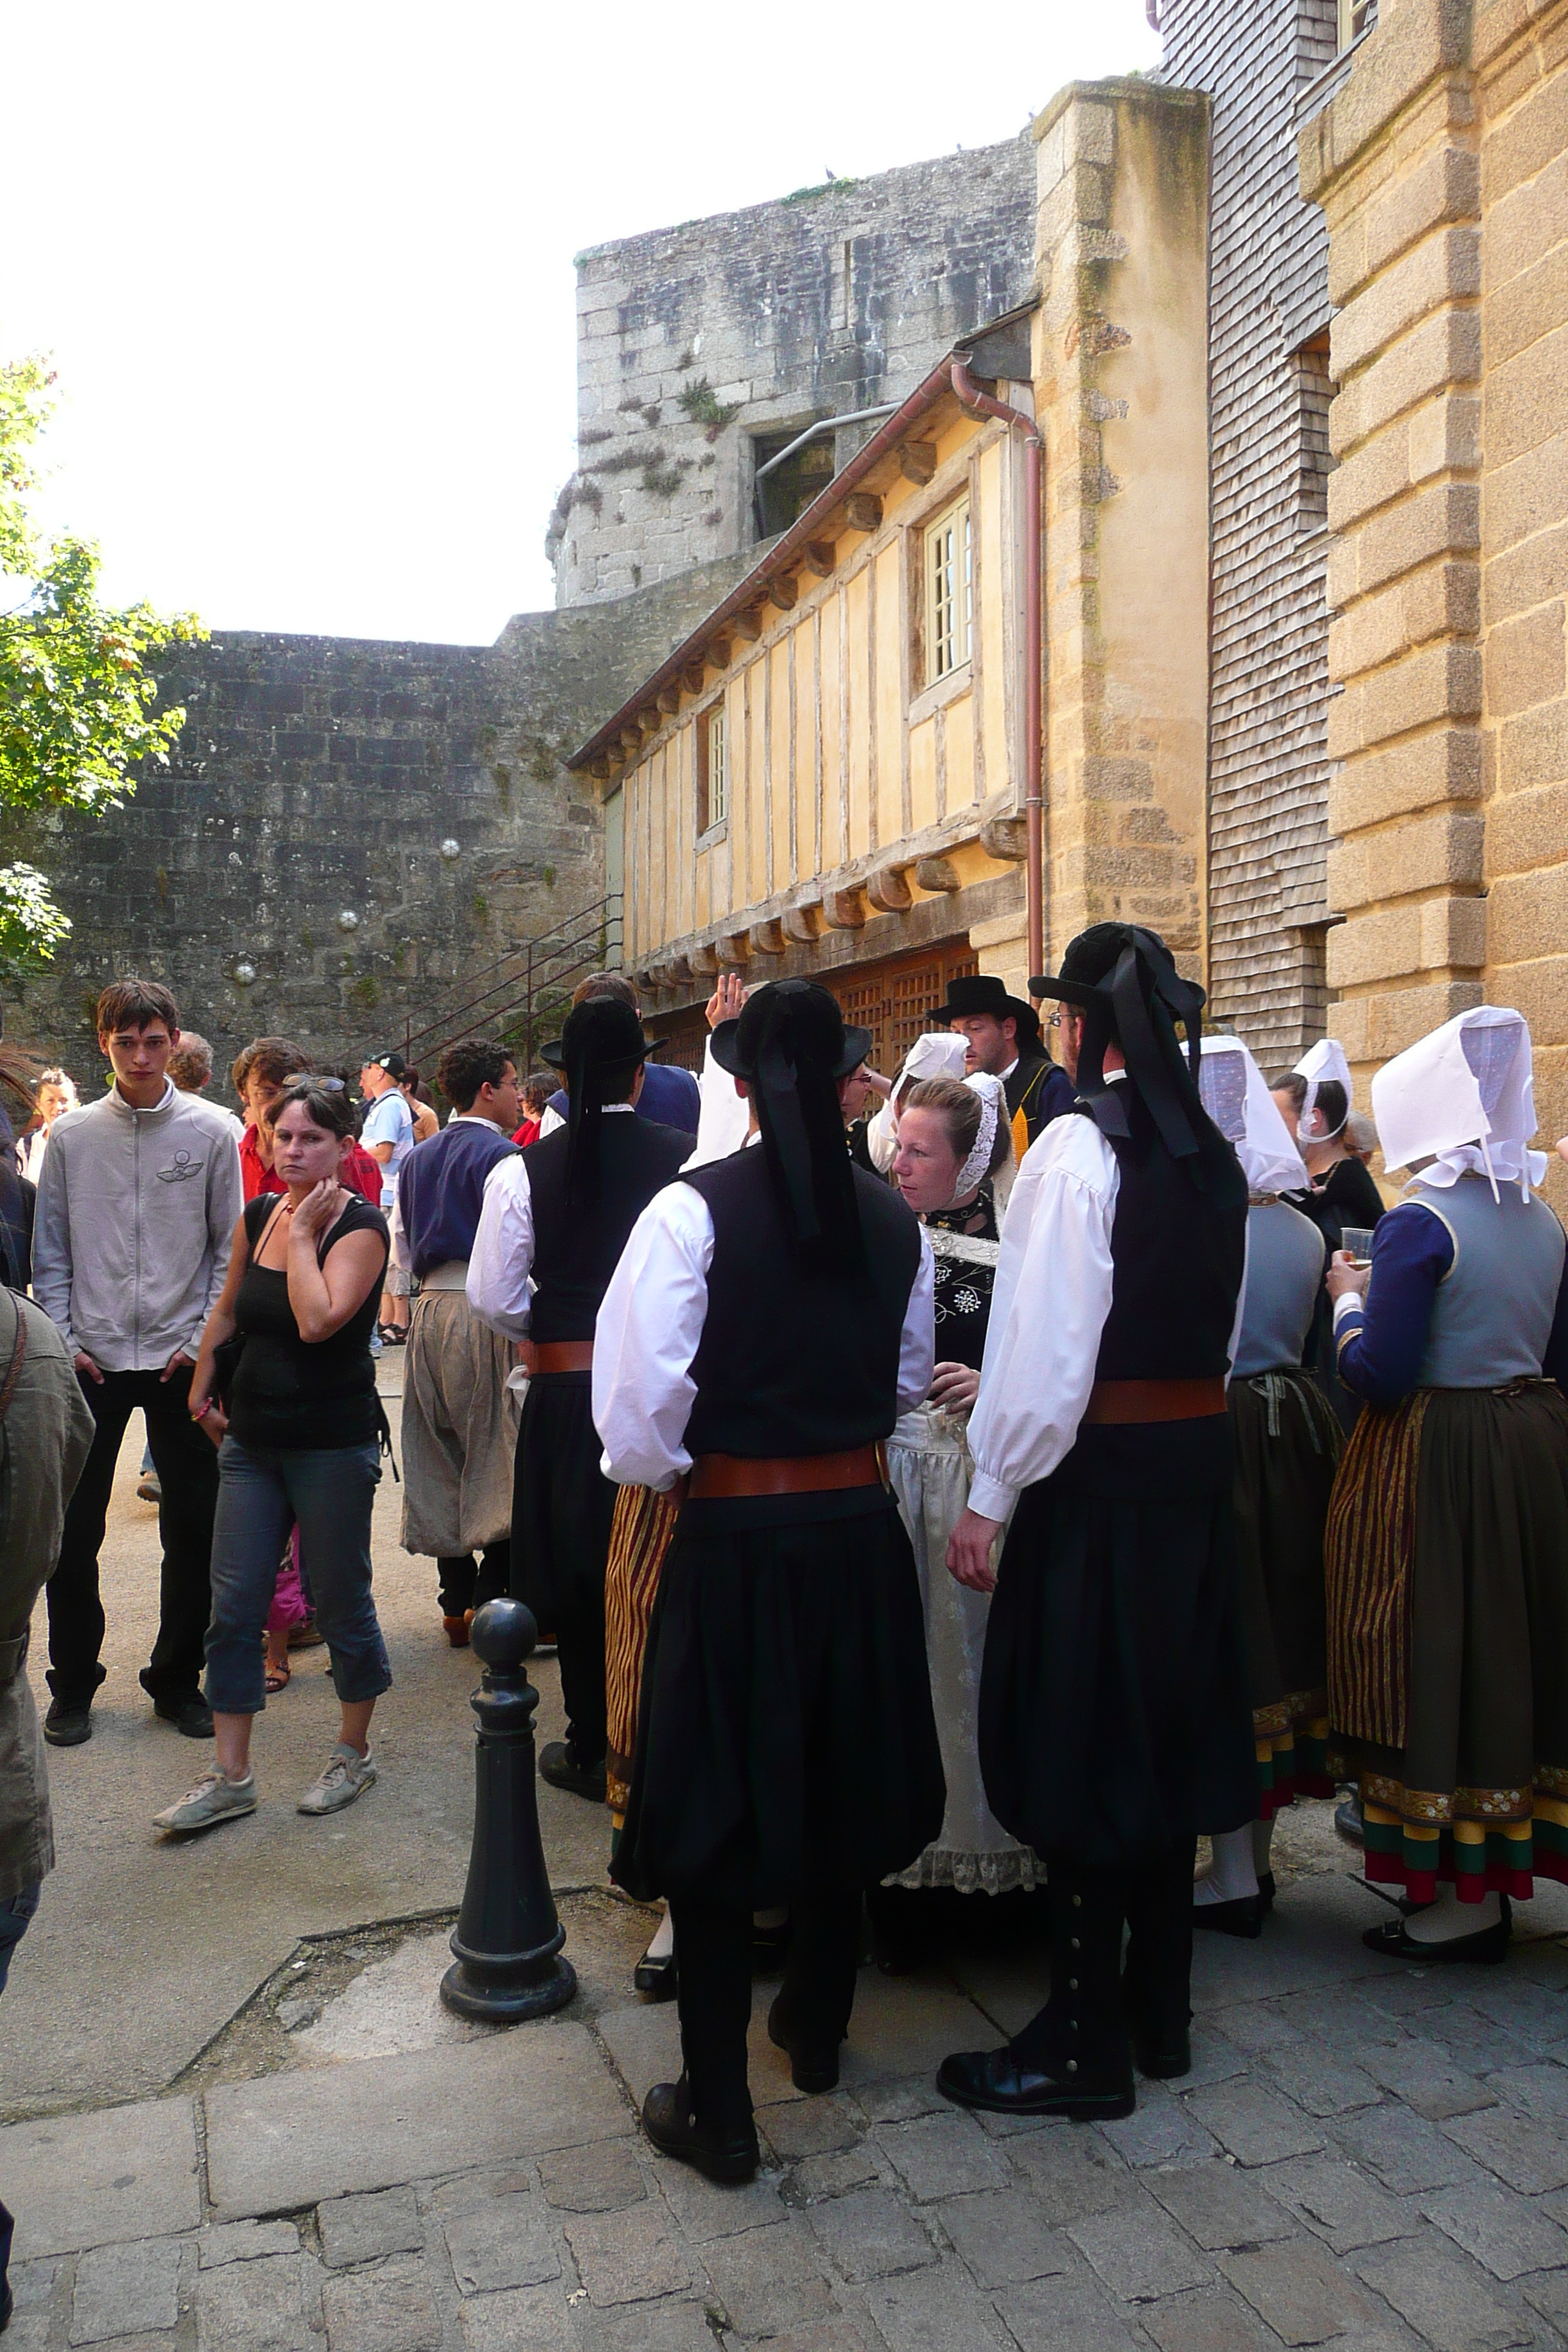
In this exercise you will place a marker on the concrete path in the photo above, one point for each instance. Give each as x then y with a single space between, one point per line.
142 1951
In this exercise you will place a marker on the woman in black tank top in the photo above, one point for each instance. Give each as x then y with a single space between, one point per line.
285 1387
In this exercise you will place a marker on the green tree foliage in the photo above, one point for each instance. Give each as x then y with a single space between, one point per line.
76 696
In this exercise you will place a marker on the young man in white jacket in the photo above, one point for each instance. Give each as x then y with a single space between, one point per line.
137 1206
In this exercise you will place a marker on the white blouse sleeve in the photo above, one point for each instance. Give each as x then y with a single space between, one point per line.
917 1342
649 1325
1052 1295
502 1259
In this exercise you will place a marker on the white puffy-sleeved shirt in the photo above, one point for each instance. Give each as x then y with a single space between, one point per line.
499 1286
1053 1291
650 1324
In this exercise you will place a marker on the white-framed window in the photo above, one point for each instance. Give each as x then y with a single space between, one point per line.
712 768
949 591
1356 18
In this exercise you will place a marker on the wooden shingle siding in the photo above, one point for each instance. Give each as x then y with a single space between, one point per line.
1268 677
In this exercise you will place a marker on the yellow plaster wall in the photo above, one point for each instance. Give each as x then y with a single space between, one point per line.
840 763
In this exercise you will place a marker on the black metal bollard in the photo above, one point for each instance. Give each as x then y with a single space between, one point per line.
508 1937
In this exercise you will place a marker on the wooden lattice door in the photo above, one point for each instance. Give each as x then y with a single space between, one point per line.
897 1000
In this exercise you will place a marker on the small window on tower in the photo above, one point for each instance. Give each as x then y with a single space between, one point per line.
948 592
1356 18
712 768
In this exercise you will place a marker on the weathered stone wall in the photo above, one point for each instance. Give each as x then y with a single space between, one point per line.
318 777
759 321
1442 166
1259 61
1120 386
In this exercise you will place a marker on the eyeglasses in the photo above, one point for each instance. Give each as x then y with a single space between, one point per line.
323 1086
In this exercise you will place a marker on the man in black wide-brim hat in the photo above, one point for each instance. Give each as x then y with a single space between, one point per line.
553 1222
1114 1717
1002 1036
771 1319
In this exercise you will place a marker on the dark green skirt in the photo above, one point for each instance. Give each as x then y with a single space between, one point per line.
1447 1592
1288 1444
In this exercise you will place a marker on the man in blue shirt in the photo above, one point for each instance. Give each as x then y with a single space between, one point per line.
388 1133
459 1421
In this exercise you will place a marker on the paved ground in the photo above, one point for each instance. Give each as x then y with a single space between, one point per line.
1363 2156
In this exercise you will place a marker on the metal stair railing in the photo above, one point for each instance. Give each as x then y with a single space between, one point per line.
520 993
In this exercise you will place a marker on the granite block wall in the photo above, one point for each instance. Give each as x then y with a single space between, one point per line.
347 829
693 341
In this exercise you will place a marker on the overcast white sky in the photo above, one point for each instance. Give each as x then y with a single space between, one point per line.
306 271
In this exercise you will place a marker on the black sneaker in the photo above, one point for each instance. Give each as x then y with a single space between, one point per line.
190 1713
68 1722
560 1767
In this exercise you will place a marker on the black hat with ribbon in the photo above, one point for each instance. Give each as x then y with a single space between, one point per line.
1124 981
600 1047
791 1046
982 992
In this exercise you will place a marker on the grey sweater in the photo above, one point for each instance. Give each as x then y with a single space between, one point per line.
135 1218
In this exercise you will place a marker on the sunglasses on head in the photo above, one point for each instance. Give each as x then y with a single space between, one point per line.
309 1078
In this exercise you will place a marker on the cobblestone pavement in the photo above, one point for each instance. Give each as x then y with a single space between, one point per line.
1365 2156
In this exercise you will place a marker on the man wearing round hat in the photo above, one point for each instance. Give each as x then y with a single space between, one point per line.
1002 1036
1114 1717
554 1220
771 1319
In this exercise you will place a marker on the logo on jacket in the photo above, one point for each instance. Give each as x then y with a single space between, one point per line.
184 1166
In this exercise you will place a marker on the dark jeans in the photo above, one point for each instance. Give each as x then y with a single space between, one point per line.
187 1464
463 1585
16 1911
328 1493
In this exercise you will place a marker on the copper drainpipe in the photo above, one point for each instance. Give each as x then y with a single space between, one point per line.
980 403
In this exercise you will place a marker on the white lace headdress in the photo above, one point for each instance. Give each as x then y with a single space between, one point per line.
1325 1060
993 1107
1237 1098
1465 1098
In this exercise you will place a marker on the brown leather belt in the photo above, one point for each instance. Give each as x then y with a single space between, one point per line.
1124 1400
728 1476
557 1356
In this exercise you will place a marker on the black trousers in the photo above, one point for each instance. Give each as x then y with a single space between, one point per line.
187 1464
713 1947
1092 2001
563 1509
465 1583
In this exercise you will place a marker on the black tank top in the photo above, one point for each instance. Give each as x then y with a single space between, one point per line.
303 1395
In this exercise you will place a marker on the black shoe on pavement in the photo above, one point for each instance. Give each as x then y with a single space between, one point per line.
1241 1916
657 1978
812 2067
1348 1819
1486 1946
1266 1888
68 1722
560 1767
994 2080
190 1713
728 2158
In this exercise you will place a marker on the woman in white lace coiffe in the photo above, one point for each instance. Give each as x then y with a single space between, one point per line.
953 1142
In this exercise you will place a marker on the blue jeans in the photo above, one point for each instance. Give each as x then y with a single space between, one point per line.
15 1912
262 1492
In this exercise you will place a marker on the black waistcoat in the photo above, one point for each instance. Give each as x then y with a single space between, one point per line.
792 1360
575 1247
1178 1247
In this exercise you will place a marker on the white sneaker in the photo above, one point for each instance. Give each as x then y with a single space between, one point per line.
216 1798
348 1775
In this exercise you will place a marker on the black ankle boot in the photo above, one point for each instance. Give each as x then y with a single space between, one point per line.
1072 2059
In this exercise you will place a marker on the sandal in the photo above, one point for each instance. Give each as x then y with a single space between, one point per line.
277 1677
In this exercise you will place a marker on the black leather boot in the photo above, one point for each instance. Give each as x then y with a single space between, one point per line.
1072 2059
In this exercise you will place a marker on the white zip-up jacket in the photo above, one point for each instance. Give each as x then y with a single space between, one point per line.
135 1217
